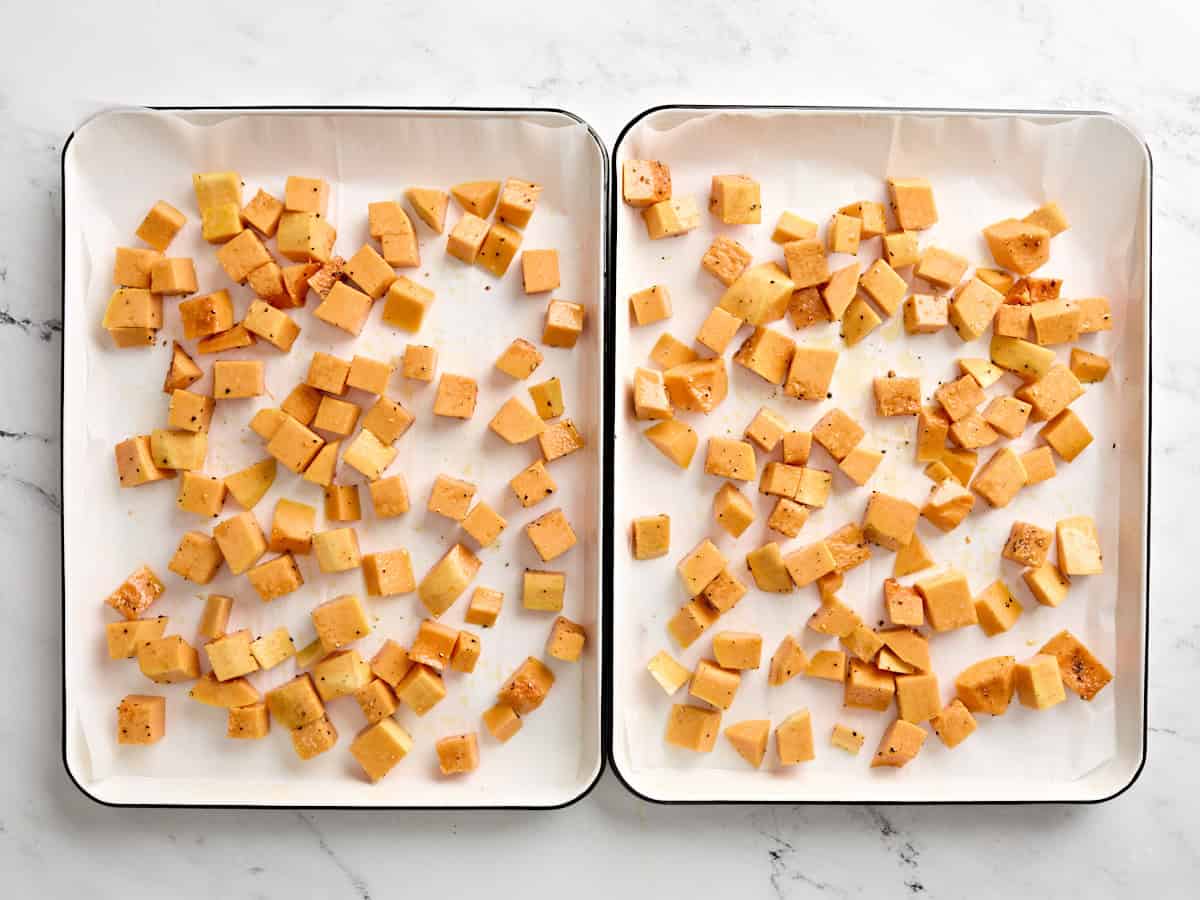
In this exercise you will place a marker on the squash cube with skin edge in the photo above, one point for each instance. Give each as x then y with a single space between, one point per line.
838 433
794 740
125 637
564 324
671 218
1057 389
369 455
1066 434
447 579
519 359
912 203
953 724
675 440
693 728
645 182
725 260
1020 246
337 550
724 592
653 304
732 511
533 484
917 697
137 593
197 558
178 450
714 684
276 577
1079 669
141 719
190 412
241 541
899 745
760 295
567 640
810 373
388 574
389 497
948 602
650 399
669 674
499 249
868 688
1000 478
1078 546
548 399
160 225
517 423
988 685
173 277
788 517
551 535
996 609
341 674
169 660
406 304
838 293
542 590
730 458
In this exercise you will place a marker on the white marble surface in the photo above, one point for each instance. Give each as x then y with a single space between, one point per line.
66 60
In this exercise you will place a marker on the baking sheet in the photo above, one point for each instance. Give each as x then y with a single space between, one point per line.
984 167
115 167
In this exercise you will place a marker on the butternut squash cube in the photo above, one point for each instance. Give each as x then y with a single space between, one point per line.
201 494
750 739
828 665
305 237
340 674
1039 682
551 535
539 271
653 304
1020 246
516 422
788 661
1078 545
899 745
769 569
948 603
337 550
1001 478
791 227
567 640
645 182
388 574
456 396
725 259
141 719
125 637
691 621
548 399
369 455
1066 434
275 577
447 579
168 660
669 674
499 249
389 496
197 558
467 237
988 685
527 687
953 724
675 440
501 722
912 203
380 746
736 199
1080 670
650 400
248 723
794 740
430 206
534 484
868 688
889 521
160 225
273 648
671 217
693 728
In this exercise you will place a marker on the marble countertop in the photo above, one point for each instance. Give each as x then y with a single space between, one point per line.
606 63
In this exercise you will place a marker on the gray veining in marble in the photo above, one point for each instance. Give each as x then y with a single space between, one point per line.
605 62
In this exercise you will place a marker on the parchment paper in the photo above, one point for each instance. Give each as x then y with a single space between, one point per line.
117 166
983 169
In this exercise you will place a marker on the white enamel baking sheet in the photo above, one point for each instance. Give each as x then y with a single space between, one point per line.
115 167
984 167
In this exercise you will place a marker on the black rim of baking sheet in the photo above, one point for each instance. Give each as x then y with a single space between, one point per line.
611 376
605 708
